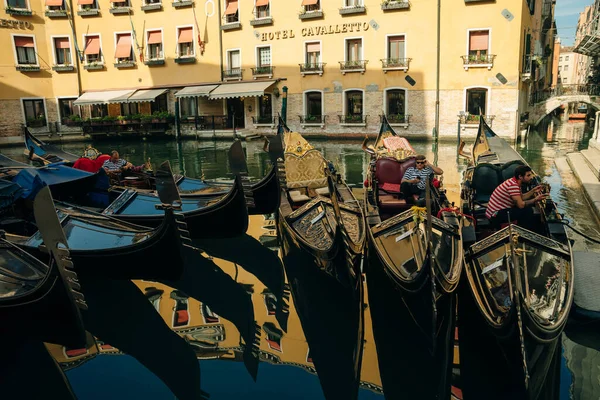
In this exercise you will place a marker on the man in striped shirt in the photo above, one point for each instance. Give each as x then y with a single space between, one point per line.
508 199
414 179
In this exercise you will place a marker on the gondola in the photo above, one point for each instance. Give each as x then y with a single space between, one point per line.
135 207
38 301
103 246
264 192
517 289
321 227
415 261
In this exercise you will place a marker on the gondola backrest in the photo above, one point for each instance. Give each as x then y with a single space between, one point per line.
389 170
508 169
486 178
307 170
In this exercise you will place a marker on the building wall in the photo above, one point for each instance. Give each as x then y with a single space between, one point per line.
507 92
567 66
555 58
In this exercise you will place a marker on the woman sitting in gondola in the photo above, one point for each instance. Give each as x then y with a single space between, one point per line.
508 200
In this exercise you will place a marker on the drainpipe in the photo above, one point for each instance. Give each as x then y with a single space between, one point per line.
437 74
220 41
284 104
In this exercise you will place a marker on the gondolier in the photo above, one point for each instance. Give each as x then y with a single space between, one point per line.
508 199
414 178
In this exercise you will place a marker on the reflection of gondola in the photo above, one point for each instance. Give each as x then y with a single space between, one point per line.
264 192
154 295
209 316
273 336
517 288
38 301
322 243
181 310
412 275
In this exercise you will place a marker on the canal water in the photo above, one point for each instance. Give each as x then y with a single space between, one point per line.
154 367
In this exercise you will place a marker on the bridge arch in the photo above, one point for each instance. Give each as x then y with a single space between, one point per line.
563 95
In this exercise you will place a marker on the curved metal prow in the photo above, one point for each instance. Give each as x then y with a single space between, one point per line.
167 188
366 148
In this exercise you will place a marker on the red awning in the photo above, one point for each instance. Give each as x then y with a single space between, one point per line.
62 43
262 3
232 7
92 45
185 35
123 46
154 37
309 2
54 3
85 2
23 41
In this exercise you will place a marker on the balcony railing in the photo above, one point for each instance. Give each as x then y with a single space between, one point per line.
63 68
213 122
312 120
472 119
88 12
125 64
56 13
263 72
353 66
564 90
527 67
231 22
258 20
395 64
182 3
312 68
481 61
185 59
18 11
264 120
93 66
154 61
353 10
394 5
310 14
233 74
120 10
403 119
152 6
353 119
28 68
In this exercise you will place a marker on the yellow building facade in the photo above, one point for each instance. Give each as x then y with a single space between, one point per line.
226 63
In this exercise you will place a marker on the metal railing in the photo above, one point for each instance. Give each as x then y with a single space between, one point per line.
235 73
264 120
471 119
214 122
353 119
312 119
390 63
527 64
396 118
356 65
264 70
478 60
312 67
564 90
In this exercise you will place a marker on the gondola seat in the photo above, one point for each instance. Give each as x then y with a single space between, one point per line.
486 178
388 174
305 175
508 169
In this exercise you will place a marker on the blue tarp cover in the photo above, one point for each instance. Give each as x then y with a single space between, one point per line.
33 179
9 192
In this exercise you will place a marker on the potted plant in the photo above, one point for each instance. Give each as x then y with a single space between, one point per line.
121 119
108 120
72 120
95 121
146 118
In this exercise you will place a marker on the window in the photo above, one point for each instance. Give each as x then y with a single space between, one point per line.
566 58
477 101
124 49
231 11
155 47
34 111
353 3
129 108
187 107
160 103
314 107
559 58
147 2
25 49
396 48
353 50
478 45
354 104
263 57
185 42
313 53
262 9
92 50
395 103
566 67
66 108
120 3
62 51
55 5
265 109
564 80
17 4
311 5
87 4
98 110
234 60
559 68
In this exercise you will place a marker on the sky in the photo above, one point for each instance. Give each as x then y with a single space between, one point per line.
566 14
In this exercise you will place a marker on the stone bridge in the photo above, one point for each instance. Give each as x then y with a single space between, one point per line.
544 102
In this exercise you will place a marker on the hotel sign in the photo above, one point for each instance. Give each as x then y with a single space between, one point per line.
317 31
13 23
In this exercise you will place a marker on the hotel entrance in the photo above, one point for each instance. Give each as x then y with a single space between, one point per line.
235 109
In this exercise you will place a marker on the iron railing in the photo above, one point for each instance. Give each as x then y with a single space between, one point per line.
485 59
214 122
264 120
312 119
234 73
468 119
356 65
353 119
396 118
314 68
564 90
264 70
392 63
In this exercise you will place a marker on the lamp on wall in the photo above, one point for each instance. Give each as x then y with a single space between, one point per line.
276 92
250 107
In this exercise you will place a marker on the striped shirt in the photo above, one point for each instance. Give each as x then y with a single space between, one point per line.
501 198
114 166
413 172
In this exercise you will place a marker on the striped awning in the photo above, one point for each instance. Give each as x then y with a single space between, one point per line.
245 89
109 96
145 95
196 91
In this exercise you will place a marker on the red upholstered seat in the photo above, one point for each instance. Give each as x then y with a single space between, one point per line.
100 160
388 174
85 164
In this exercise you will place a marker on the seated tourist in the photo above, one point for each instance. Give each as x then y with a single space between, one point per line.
507 199
116 164
414 179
